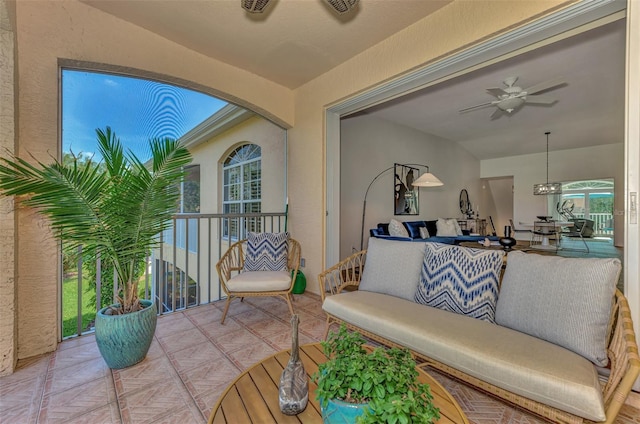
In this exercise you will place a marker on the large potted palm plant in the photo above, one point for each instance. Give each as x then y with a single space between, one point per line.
115 210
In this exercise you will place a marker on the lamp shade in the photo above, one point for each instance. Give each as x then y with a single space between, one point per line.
427 180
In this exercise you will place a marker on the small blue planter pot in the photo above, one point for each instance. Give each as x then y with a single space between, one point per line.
124 340
339 412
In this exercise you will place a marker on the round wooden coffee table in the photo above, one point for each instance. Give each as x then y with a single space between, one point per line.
253 396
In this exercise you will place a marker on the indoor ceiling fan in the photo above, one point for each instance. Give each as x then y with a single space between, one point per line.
512 97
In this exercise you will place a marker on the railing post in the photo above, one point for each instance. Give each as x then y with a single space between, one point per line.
79 317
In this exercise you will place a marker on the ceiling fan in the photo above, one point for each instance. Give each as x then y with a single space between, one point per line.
512 97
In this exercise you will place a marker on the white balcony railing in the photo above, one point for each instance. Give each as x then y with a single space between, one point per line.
180 272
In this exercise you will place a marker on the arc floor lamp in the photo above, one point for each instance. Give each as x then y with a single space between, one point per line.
427 179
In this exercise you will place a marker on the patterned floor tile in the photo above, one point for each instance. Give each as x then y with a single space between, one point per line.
204 315
189 365
76 401
75 355
155 402
147 373
77 341
249 354
210 377
20 400
169 325
194 356
62 379
238 307
214 329
29 368
183 416
108 414
252 316
182 339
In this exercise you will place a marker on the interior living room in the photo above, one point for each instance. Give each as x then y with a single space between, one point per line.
327 79
499 155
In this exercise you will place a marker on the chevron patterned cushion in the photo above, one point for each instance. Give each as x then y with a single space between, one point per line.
460 279
266 252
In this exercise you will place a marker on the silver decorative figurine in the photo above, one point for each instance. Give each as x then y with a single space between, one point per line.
293 392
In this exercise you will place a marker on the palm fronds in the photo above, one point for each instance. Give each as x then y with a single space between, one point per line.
116 208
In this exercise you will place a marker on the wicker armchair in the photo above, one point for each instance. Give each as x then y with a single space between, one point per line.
237 283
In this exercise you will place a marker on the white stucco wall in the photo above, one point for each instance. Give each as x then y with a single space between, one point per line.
211 154
369 146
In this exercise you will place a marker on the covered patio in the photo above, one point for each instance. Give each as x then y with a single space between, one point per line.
192 360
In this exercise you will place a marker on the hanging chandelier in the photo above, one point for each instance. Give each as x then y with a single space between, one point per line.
547 188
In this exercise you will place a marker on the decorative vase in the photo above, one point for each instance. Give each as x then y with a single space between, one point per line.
507 243
340 412
124 340
293 391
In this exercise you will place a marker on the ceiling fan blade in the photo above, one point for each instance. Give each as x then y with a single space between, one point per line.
497 92
541 100
543 86
466 109
497 114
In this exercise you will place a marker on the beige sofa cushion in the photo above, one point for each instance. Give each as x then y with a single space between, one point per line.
514 361
251 281
393 267
566 301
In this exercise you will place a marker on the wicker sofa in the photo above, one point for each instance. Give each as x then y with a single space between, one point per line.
544 377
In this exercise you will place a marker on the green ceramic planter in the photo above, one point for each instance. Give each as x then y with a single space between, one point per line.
124 340
339 412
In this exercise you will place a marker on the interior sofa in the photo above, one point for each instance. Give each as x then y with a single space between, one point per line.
552 335
413 233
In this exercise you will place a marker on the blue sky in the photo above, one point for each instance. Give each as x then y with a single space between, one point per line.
135 109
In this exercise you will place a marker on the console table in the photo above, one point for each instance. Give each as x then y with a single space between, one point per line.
253 396
474 225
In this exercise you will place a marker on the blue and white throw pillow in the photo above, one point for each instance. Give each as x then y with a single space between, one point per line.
267 252
459 279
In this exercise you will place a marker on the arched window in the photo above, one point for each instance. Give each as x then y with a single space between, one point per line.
242 189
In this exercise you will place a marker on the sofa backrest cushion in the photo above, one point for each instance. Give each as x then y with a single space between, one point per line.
267 252
413 227
448 227
392 267
397 229
459 279
432 227
566 301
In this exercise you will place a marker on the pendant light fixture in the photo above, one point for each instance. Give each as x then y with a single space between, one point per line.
547 188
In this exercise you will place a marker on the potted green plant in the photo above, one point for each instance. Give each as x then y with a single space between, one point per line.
115 210
365 385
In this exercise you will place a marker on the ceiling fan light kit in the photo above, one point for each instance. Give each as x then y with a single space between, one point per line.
512 97
547 188
341 7
254 6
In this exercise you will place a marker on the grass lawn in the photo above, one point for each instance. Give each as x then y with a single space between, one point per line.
70 306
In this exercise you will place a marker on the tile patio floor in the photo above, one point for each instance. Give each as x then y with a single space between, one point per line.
191 361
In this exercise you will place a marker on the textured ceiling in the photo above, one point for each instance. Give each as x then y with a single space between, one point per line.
291 43
589 110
